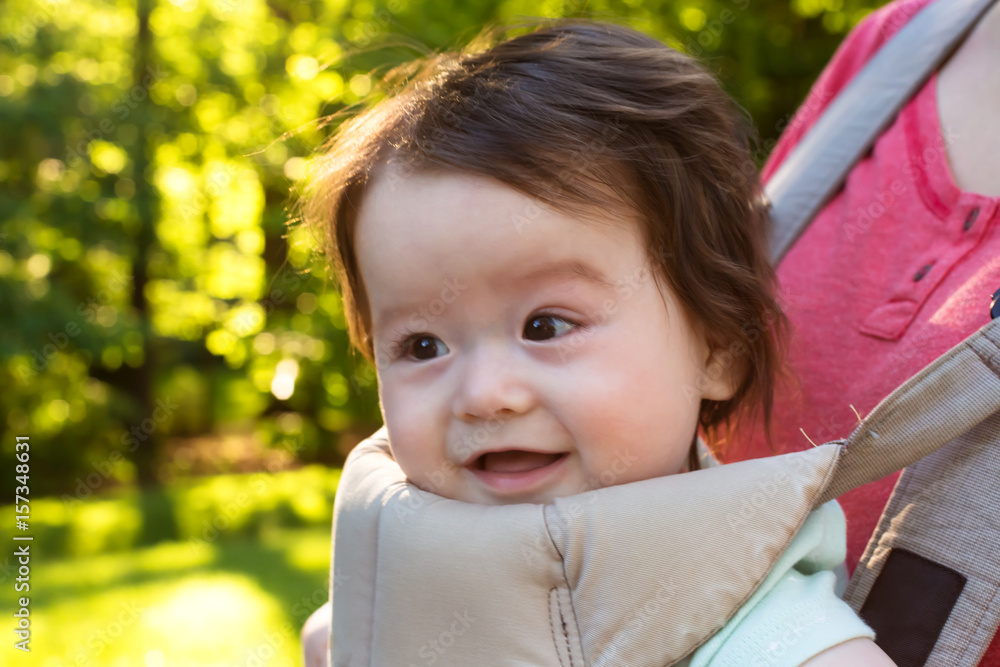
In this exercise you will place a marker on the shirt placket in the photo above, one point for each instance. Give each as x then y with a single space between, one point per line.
966 229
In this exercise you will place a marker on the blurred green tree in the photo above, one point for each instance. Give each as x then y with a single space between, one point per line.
149 290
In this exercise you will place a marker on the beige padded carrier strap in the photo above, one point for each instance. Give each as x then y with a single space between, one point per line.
633 574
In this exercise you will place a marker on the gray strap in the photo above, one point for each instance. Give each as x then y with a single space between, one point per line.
928 581
940 531
818 166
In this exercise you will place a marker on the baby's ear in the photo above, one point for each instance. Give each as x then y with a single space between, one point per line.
722 375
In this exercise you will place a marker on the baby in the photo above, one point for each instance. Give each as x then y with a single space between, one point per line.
552 252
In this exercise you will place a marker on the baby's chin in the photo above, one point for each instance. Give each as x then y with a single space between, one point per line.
469 487
460 493
470 494
476 494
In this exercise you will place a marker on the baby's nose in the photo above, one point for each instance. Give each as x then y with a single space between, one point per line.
493 384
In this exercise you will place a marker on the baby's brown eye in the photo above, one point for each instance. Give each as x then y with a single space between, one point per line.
543 327
423 347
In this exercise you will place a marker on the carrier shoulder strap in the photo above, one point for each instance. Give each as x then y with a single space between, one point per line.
816 169
929 578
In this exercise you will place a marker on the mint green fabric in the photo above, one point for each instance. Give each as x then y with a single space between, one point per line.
797 612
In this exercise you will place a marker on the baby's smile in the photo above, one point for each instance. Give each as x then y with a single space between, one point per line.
516 471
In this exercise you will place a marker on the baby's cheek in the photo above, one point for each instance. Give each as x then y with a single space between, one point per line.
422 457
416 467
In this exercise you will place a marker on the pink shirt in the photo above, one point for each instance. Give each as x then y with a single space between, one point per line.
897 268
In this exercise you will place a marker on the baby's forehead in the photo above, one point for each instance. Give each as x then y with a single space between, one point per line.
420 232
415 227
404 180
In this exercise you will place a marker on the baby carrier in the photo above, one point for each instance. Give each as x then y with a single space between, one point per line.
417 578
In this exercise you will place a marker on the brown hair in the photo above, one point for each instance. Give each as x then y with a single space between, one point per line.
581 114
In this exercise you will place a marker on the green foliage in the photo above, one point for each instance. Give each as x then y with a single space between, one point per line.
148 153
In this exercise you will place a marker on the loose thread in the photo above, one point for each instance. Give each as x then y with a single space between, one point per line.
860 421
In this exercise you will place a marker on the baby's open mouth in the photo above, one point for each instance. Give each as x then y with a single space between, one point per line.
515 461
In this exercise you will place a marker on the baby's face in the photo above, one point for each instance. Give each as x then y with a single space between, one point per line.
522 354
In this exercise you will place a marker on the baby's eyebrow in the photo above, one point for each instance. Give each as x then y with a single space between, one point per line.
569 268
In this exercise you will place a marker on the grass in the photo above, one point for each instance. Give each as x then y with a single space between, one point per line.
191 605
233 597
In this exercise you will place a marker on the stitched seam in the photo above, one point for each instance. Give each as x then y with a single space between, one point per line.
991 361
978 625
565 573
562 619
552 626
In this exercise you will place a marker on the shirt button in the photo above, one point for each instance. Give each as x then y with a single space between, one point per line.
921 272
970 219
